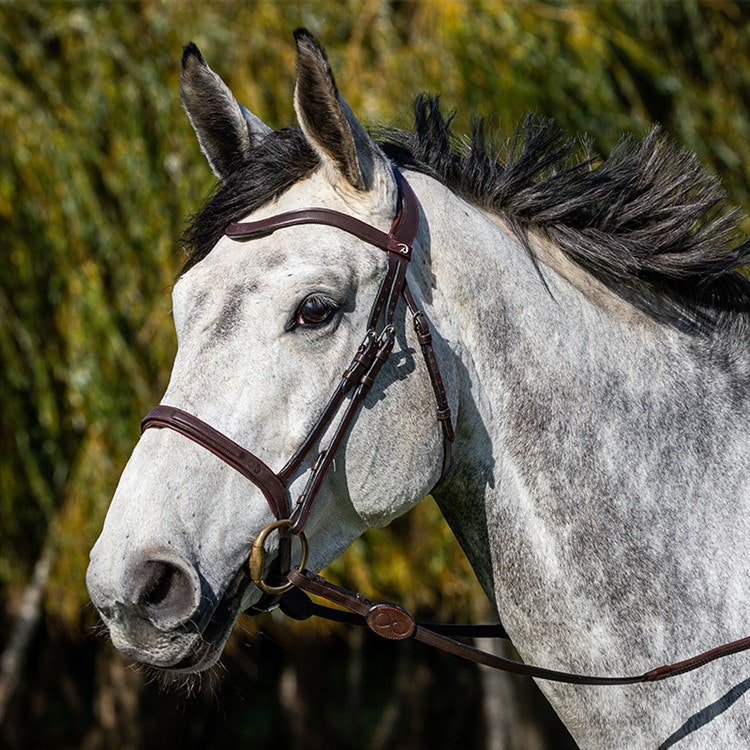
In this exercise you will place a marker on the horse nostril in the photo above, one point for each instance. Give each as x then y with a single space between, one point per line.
168 593
159 586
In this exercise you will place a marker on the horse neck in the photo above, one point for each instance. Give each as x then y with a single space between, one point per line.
570 401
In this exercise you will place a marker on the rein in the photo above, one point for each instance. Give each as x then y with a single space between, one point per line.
387 620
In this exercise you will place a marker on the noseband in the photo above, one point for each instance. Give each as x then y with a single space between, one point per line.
387 620
355 381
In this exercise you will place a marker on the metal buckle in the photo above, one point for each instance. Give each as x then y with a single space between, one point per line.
258 557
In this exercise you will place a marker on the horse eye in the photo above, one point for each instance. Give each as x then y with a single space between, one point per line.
315 311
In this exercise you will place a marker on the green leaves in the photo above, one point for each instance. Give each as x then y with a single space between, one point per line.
87 263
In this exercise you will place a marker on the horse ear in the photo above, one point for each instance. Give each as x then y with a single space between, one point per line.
225 129
329 124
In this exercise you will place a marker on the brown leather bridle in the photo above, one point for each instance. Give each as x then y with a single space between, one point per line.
387 620
357 378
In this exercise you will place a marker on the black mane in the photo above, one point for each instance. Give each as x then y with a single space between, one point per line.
649 221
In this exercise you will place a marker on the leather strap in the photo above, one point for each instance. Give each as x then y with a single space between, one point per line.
326 216
247 464
324 461
398 240
392 622
349 378
296 604
443 414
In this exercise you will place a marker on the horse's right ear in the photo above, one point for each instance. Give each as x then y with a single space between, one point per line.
225 129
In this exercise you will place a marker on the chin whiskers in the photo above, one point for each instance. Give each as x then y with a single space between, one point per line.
188 684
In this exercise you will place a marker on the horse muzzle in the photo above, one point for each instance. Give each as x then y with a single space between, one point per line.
160 614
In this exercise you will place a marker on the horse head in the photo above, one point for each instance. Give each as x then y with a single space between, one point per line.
264 330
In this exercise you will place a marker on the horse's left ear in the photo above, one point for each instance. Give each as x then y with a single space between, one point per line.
329 124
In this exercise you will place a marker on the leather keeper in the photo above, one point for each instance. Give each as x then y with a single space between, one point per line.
422 328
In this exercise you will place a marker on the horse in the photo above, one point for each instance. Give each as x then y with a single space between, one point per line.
590 335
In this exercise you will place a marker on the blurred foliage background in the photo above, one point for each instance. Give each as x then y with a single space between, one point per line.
98 171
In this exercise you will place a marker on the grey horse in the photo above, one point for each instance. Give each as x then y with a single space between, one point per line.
592 332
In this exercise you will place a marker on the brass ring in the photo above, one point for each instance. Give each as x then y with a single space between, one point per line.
258 557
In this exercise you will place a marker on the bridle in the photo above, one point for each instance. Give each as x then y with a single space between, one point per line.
356 380
387 620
